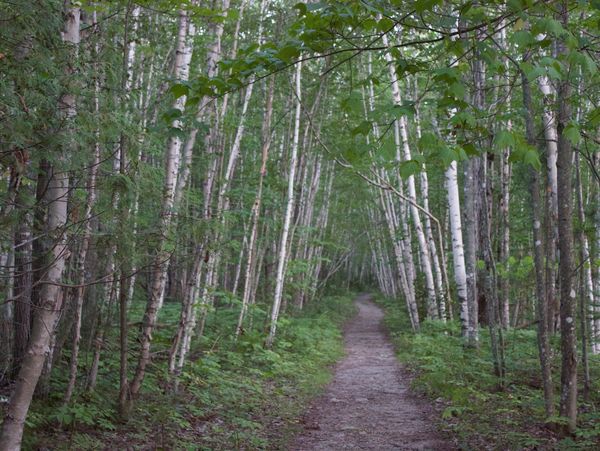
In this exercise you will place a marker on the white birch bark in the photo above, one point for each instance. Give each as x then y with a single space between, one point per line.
223 203
504 206
458 253
458 248
212 69
321 227
255 212
439 269
402 253
81 257
551 144
50 295
189 311
280 280
160 260
505 176
596 306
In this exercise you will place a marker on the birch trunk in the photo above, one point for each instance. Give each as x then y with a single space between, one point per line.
21 288
159 264
586 288
471 188
50 299
403 261
223 203
81 260
596 306
551 141
504 205
439 268
432 305
458 255
255 212
280 280
544 349
188 315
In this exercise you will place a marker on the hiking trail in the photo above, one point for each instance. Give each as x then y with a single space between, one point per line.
368 404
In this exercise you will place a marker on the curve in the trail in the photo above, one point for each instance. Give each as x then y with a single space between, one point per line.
368 405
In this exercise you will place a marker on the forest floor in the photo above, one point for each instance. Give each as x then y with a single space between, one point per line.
369 405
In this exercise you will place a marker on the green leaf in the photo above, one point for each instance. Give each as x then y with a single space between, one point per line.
288 53
409 168
364 128
547 25
192 101
463 119
504 139
572 133
406 109
179 90
524 153
426 5
583 60
593 117
176 132
301 7
470 149
172 114
532 72
352 103
457 90
522 38
385 24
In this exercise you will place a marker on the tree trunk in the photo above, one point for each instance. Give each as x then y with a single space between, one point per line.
250 269
50 300
568 378
280 278
85 240
161 257
551 139
538 252
432 306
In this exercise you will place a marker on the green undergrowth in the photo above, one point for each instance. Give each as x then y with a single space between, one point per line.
233 395
473 406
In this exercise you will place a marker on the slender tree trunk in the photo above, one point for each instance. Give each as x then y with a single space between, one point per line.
81 262
432 306
586 288
22 284
458 255
255 212
538 241
568 379
551 138
160 260
50 300
595 311
440 271
280 280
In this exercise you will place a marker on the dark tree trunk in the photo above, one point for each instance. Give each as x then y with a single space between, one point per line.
568 379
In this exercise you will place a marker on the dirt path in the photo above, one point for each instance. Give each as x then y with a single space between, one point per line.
368 404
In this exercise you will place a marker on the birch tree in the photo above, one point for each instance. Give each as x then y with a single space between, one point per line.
283 244
172 160
50 301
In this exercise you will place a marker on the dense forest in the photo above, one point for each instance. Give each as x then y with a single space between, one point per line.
192 192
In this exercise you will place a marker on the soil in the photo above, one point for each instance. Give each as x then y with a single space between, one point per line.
369 405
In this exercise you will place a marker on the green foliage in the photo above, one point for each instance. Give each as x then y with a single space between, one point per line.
461 379
228 395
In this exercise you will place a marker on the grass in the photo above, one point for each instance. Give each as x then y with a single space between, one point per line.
473 408
234 395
